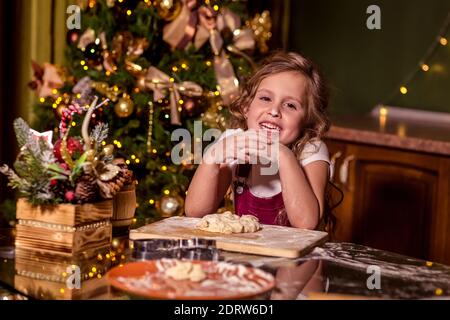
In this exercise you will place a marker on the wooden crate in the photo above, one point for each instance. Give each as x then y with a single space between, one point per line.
65 229
66 214
35 235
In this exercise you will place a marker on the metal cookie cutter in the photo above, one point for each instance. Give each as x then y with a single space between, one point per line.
192 249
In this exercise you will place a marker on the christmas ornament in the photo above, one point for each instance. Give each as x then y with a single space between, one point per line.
74 148
60 109
83 91
141 82
261 24
161 85
124 107
109 62
194 106
66 117
170 205
86 38
112 93
46 79
150 126
108 175
46 136
72 36
168 10
70 196
93 53
136 48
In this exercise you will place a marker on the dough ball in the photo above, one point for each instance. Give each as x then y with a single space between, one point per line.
186 271
228 223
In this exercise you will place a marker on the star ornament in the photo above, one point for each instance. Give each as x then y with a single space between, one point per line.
47 136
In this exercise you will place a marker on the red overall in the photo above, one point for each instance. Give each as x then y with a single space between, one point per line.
268 210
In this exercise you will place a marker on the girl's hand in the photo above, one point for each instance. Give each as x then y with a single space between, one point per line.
245 147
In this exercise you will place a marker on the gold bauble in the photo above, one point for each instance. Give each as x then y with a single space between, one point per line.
108 150
170 205
168 9
124 107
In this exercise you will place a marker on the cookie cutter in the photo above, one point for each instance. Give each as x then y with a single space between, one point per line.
192 249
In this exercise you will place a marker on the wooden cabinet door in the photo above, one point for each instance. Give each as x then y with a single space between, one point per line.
392 197
393 207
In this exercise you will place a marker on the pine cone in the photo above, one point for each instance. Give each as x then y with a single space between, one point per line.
86 189
110 188
124 171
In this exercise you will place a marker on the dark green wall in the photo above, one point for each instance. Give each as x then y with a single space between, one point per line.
365 67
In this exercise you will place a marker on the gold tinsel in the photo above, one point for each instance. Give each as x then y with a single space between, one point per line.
150 127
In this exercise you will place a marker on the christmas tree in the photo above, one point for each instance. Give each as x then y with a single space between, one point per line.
163 64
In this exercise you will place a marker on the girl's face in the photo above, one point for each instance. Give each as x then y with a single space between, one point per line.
278 106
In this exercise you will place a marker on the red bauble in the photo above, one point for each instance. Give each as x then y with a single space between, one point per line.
72 36
74 146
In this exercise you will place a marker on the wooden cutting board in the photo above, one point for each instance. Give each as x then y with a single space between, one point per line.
276 241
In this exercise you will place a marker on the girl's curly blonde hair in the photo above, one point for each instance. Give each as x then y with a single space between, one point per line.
315 122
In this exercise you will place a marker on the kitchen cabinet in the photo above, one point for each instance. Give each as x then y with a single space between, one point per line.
394 199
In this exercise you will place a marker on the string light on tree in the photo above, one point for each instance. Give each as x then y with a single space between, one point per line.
424 65
403 90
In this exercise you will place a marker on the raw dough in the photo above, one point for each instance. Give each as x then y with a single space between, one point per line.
186 271
228 222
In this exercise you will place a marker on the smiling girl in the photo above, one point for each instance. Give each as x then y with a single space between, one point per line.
282 105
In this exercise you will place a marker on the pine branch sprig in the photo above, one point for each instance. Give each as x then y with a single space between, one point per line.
22 130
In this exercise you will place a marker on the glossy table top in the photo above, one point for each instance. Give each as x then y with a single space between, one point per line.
333 271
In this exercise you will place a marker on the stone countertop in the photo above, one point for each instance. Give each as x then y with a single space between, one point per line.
333 271
425 137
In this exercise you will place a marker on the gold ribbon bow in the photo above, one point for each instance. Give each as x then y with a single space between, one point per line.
46 79
180 32
203 24
160 83
123 43
243 39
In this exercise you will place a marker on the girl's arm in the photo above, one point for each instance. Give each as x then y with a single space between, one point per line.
207 189
213 177
303 189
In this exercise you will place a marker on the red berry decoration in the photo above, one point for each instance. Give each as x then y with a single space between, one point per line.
74 145
70 196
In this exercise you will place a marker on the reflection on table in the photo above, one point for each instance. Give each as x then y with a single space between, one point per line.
335 270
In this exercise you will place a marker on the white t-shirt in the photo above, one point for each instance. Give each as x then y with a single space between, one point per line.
265 186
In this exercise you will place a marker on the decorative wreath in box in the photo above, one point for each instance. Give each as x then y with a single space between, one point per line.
74 170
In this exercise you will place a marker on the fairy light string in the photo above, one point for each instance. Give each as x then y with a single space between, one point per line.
440 40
